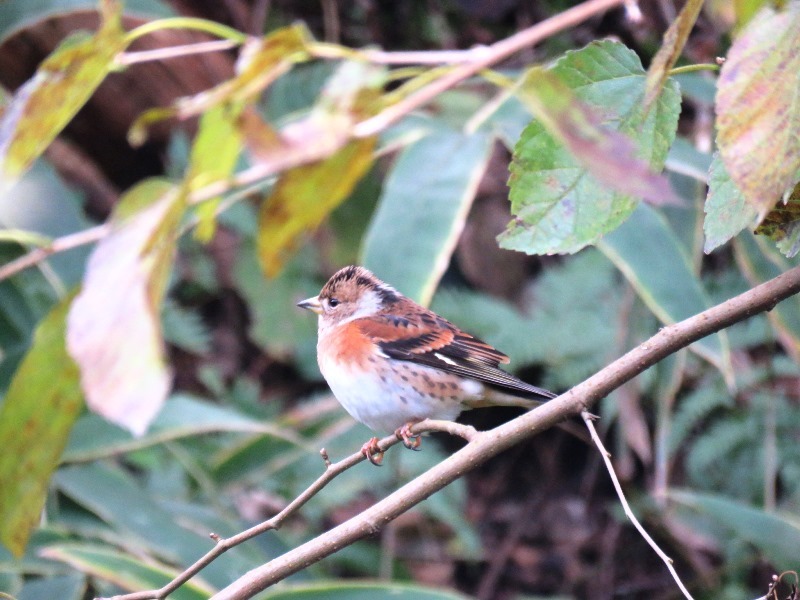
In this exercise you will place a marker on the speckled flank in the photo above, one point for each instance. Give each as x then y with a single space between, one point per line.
417 392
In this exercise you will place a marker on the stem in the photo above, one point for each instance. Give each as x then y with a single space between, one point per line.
693 68
587 418
215 29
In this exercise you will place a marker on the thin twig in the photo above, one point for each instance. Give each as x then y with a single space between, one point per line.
131 58
588 419
330 20
400 57
67 242
332 470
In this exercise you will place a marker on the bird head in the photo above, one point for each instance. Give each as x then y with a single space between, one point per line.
351 293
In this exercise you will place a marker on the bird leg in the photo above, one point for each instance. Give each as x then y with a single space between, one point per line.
372 452
410 441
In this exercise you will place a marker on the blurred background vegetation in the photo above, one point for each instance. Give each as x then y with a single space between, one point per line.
705 442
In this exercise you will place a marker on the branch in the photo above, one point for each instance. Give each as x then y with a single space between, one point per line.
67 242
490 443
332 470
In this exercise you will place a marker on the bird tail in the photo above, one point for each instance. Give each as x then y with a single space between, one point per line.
527 397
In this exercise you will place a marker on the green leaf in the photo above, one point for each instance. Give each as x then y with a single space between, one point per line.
24 238
277 325
727 211
185 328
609 156
63 587
776 534
674 40
182 416
746 10
758 107
559 206
649 254
41 203
36 416
423 208
685 159
213 158
141 525
124 571
114 327
338 590
61 85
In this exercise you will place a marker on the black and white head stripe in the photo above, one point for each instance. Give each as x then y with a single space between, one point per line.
363 278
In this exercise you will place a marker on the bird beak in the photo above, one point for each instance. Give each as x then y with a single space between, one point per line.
311 304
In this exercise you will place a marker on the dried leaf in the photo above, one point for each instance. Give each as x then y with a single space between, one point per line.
674 40
782 224
114 331
758 107
305 195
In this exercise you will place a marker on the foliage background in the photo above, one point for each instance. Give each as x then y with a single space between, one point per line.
705 442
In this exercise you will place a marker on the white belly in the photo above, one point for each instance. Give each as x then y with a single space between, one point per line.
381 405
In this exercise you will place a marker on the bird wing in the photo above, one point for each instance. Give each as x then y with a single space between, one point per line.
430 340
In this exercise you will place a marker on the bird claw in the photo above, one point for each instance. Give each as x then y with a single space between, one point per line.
372 452
410 441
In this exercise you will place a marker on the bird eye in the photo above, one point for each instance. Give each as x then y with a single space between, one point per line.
333 302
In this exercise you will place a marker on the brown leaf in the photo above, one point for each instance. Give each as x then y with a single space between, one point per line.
674 40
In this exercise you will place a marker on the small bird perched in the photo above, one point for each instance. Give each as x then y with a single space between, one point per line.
392 363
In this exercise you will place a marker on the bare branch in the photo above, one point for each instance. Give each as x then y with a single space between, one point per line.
588 419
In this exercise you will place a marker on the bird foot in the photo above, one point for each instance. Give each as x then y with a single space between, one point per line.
372 452
410 441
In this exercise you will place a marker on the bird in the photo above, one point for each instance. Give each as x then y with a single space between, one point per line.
391 362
